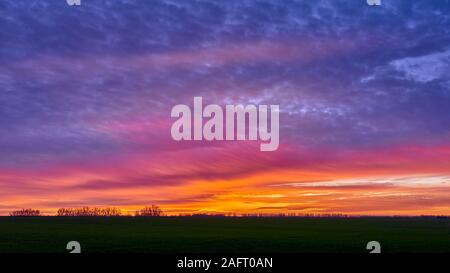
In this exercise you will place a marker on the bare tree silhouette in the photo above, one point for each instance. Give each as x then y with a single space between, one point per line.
147 211
25 212
87 211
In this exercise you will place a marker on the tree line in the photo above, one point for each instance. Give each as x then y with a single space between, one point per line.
26 212
147 211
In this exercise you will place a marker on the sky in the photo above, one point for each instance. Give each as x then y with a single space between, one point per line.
364 93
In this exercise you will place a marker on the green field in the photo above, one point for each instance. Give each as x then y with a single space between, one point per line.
224 235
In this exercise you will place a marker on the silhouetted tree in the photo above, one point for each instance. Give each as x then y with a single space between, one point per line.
152 210
87 211
25 212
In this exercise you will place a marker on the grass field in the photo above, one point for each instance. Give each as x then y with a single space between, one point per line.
224 235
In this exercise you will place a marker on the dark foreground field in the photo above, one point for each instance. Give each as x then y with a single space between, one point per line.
224 235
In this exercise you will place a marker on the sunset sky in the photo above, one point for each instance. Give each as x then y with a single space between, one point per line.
364 92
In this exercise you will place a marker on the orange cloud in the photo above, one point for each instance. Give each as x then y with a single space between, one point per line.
237 178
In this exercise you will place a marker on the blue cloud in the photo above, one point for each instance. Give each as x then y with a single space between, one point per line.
352 75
